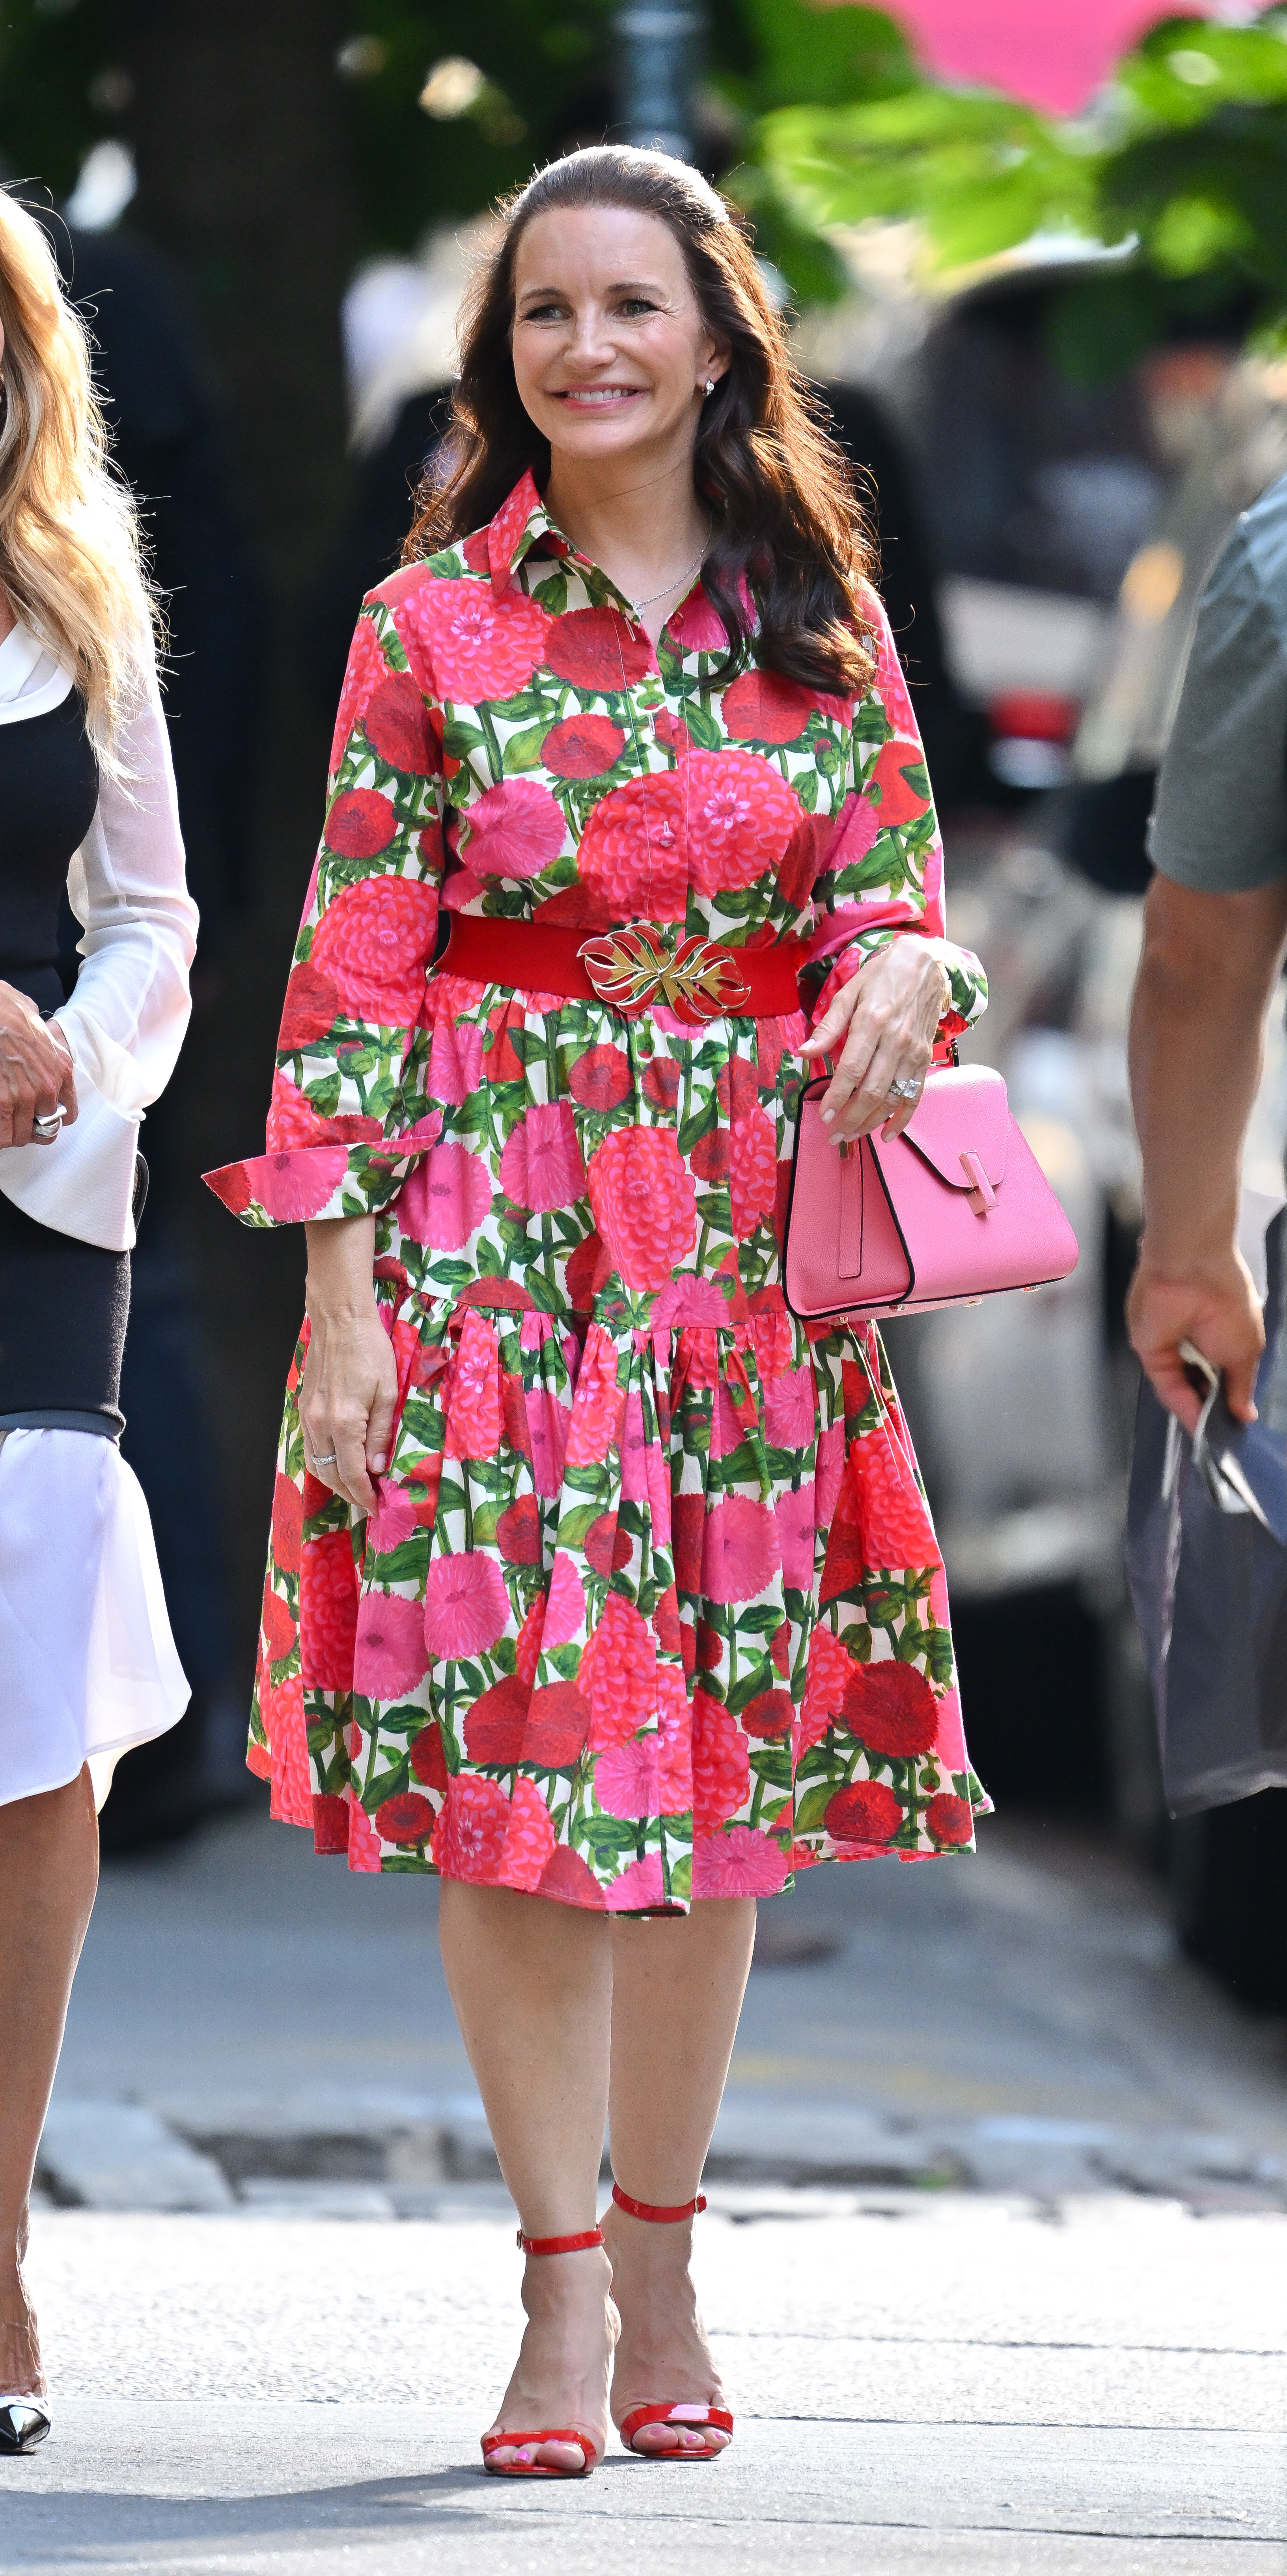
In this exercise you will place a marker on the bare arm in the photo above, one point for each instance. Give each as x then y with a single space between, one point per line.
350 1381
1209 966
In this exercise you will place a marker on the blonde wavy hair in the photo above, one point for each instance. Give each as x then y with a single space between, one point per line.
70 555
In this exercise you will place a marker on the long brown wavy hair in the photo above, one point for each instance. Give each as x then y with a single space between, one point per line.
789 525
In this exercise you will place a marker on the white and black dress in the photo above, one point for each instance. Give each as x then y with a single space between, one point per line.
87 1663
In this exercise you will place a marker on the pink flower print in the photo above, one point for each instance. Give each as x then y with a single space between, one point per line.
565 1603
738 1862
829 1472
515 830
364 1842
455 1060
597 1405
469 1837
619 1673
752 1171
366 669
634 1471
739 1549
328 1603
295 1185
466 1605
445 1197
638 1888
789 1408
541 1166
566 1878
794 1515
625 1778
741 816
644 1202
529 1839
390 1657
292 1120
548 1423
696 627
721 1767
463 643
831 1674
730 1421
472 1395
394 1520
674 1743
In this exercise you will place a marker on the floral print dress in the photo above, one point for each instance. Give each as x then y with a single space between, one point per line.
651 1607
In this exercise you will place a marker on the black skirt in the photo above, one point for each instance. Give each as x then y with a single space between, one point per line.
64 1306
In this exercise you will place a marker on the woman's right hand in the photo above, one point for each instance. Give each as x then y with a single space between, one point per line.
36 1070
350 1383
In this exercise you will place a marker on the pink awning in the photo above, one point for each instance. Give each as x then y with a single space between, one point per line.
1053 53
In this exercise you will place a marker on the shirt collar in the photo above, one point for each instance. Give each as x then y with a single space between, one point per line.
514 531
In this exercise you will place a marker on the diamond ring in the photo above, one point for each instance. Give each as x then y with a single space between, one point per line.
903 1090
326 1458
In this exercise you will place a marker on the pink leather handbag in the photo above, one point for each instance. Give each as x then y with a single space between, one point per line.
954 1209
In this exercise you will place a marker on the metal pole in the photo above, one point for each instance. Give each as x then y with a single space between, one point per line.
657 55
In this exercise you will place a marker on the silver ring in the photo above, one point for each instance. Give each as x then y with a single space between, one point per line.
326 1458
903 1090
44 1130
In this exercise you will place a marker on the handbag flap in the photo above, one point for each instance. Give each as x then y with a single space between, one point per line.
962 1110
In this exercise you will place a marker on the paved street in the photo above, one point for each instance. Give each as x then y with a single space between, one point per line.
996 2260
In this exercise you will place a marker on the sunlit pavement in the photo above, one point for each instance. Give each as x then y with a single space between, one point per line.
996 2259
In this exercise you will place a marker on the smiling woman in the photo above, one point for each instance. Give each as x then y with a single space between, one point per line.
662 770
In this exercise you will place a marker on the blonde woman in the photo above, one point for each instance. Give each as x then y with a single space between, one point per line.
87 1662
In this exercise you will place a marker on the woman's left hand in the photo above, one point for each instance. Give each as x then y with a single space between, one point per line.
891 1009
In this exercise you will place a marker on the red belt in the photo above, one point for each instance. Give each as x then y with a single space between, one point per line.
631 968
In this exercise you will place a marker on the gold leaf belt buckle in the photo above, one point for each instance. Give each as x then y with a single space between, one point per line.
631 969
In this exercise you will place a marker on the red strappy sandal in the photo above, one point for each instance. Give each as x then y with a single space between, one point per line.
689 2416
551 2433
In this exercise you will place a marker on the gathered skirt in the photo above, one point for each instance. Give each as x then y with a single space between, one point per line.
652 1608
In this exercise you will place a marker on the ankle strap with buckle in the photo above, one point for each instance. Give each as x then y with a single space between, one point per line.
659 2217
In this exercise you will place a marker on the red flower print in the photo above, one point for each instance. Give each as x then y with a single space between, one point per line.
741 816
831 1671
515 830
721 1768
548 1425
471 1398
600 1078
466 1605
292 1120
529 1838
288 1524
891 1709
527 1644
671 731
606 1547
688 1533
311 1007
390 1656
426 1756
644 1203
845 1564
278 1623
710 1647
330 1826
518 1531
464 644
541 1166
892 1510
455 1061
665 1621
949 1819
790 1401
495 1725
375 940
770 1715
597 1403
804 858
445 1197
738 1862
359 823
661 1082
866 1812
793 1513
566 1878
293 1186
710 1157
901 799
737 1087
761 706
688 1649
632 849
366 668
557 1725
328 1606
398 725
619 1673
582 1271
405 1819
564 1603
638 1888
697 627
625 1778
596 650
752 1171
582 746
780 1649
740 1550
469 1837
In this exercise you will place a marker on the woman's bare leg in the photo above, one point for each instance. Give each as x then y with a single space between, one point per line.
48 1875
678 1985
531 1981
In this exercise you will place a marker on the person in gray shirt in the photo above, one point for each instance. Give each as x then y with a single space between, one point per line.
1215 931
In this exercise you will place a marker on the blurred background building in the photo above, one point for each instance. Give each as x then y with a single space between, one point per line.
1037 267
